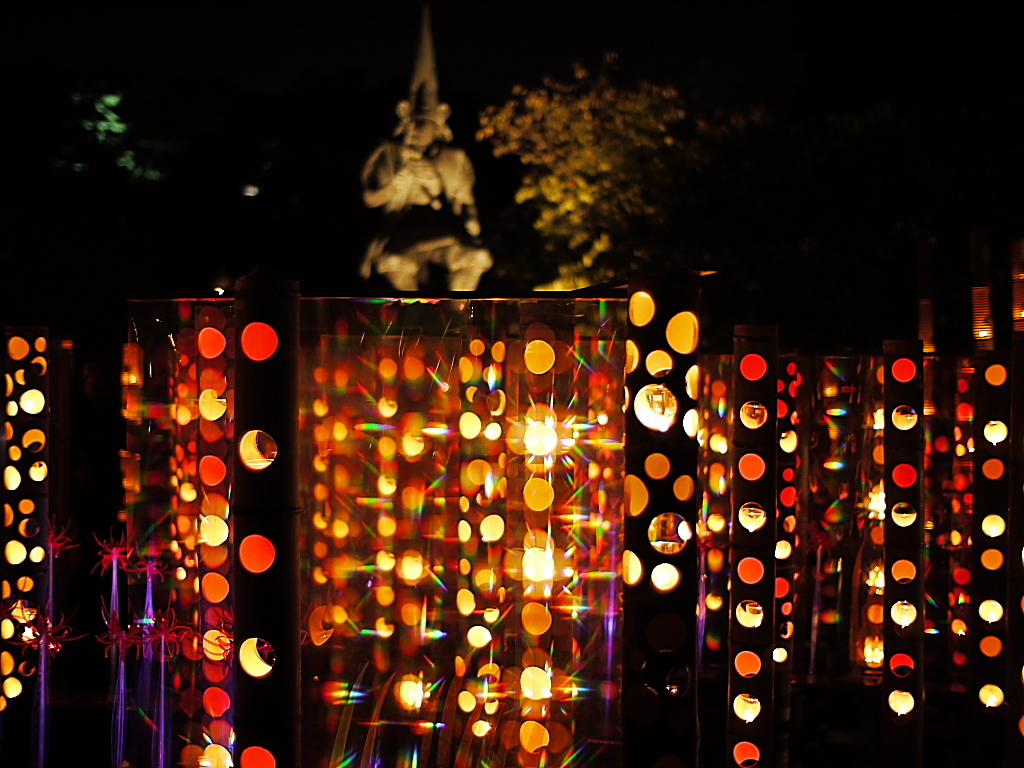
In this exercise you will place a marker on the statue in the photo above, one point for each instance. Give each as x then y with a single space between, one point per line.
425 189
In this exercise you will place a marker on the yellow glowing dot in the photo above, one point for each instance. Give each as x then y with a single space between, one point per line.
481 728
32 401
904 515
656 407
632 356
665 577
746 707
903 613
535 683
752 516
467 701
478 636
683 488
37 555
257 450
783 549
538 564
991 695
465 602
533 736
37 471
216 645
385 596
492 432
6 663
339 529
409 692
492 528
683 332
718 443
714 601
465 531
641 308
536 618
993 525
469 425
538 494
411 614
12 478
749 614
691 424
386 525
995 432
383 628
539 356
486 579
780 655
788 441
387 446
385 560
540 438
632 568
657 466
15 552
411 567
213 530
990 611
387 407
716 522
659 363
387 485
901 702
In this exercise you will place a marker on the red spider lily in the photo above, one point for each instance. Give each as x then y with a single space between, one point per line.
124 639
165 632
61 541
114 553
151 567
40 629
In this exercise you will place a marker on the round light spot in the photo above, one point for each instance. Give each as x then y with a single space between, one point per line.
657 466
641 308
683 332
536 618
993 469
656 407
215 586
990 646
37 471
990 695
749 614
903 514
995 432
256 553
659 363
211 342
34 440
636 495
540 438
904 475
256 657
259 341
470 425
752 516
746 707
211 407
991 559
15 552
904 417
683 488
751 467
632 568
665 577
212 470
538 494
753 415
535 683
257 450
492 528
32 401
17 348
993 525
258 757
478 636
901 702
668 533
990 611
750 570
753 366
632 356
903 613
995 375
746 754
904 571
12 478
213 530
747 664
533 736
539 356
903 370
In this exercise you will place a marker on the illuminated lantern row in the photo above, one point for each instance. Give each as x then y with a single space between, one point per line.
265 509
214 441
713 431
961 510
903 674
1015 517
659 561
26 564
752 632
789 471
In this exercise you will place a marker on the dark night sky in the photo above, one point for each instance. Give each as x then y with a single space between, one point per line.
309 88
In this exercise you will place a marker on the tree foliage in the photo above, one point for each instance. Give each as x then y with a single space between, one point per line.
601 161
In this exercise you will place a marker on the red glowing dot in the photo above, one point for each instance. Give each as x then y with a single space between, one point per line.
216 701
215 587
747 663
211 342
212 470
962 576
903 370
783 409
794 389
781 587
791 369
901 664
788 496
258 757
787 608
942 444
746 754
904 475
257 553
259 341
753 366
959 658
751 467
965 412
788 474
750 570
